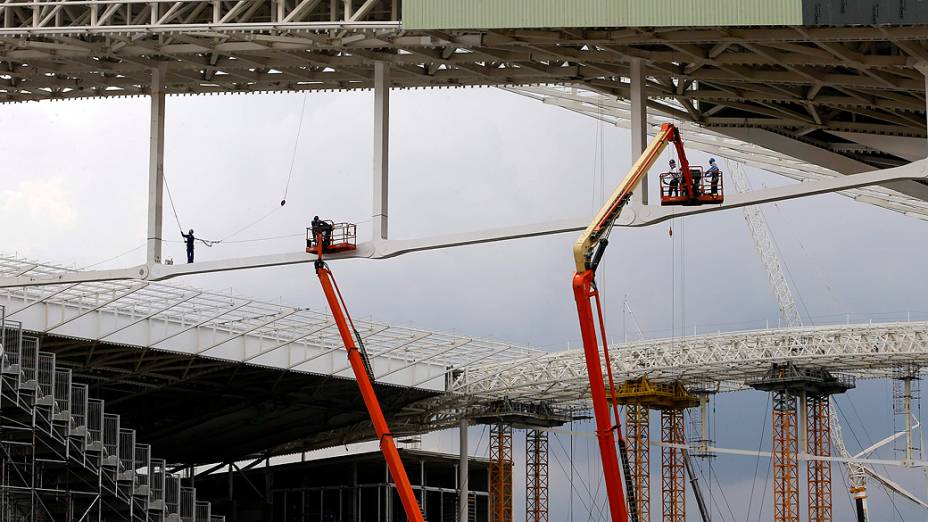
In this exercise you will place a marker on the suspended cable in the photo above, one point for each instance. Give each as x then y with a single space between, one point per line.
206 242
296 143
115 257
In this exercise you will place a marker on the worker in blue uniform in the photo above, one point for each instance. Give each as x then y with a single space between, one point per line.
189 239
714 175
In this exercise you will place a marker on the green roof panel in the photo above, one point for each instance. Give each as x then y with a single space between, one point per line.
498 14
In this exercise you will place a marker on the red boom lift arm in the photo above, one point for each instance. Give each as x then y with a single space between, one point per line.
588 252
364 376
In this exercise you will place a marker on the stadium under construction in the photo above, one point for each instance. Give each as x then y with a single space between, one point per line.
127 395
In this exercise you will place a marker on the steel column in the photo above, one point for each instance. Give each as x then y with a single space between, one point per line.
638 436
156 166
785 461
818 472
673 468
536 476
381 148
639 118
463 473
500 473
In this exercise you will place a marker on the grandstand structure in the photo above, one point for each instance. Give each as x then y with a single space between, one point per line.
66 456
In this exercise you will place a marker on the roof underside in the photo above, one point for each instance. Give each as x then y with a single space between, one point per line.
811 83
197 409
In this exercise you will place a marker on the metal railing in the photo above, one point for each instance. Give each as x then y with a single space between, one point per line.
156 484
126 455
63 396
79 403
110 439
29 358
45 378
95 424
188 503
172 495
143 470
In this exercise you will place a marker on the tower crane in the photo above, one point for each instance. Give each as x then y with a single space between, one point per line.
588 252
327 237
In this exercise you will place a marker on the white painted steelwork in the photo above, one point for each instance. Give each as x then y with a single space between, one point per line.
726 360
634 216
186 320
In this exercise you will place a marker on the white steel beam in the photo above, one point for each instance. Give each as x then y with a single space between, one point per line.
156 167
633 216
639 119
381 148
463 472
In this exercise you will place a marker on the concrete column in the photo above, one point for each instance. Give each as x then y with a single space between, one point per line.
381 147
638 125
156 166
463 471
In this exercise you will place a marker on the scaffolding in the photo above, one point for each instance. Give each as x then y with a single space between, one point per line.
638 438
905 412
500 472
62 457
785 458
673 466
818 472
536 476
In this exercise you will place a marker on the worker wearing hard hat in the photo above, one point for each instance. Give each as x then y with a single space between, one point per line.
674 179
189 239
714 174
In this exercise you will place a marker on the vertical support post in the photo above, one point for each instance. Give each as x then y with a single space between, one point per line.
785 462
673 470
639 119
463 474
638 436
907 408
156 166
803 423
818 472
536 476
381 148
500 473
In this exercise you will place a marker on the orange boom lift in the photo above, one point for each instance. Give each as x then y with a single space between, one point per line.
588 252
331 237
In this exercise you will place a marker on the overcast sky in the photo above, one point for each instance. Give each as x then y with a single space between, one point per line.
74 189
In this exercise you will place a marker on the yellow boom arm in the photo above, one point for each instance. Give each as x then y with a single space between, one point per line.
588 241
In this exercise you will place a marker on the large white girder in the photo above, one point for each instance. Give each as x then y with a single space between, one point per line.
633 216
725 360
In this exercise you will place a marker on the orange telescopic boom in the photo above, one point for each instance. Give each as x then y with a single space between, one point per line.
362 370
588 252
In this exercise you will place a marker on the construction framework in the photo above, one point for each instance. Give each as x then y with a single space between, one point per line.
673 466
818 472
785 441
536 476
638 439
500 472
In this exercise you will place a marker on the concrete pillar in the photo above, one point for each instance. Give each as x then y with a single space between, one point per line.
156 166
638 125
463 471
381 148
